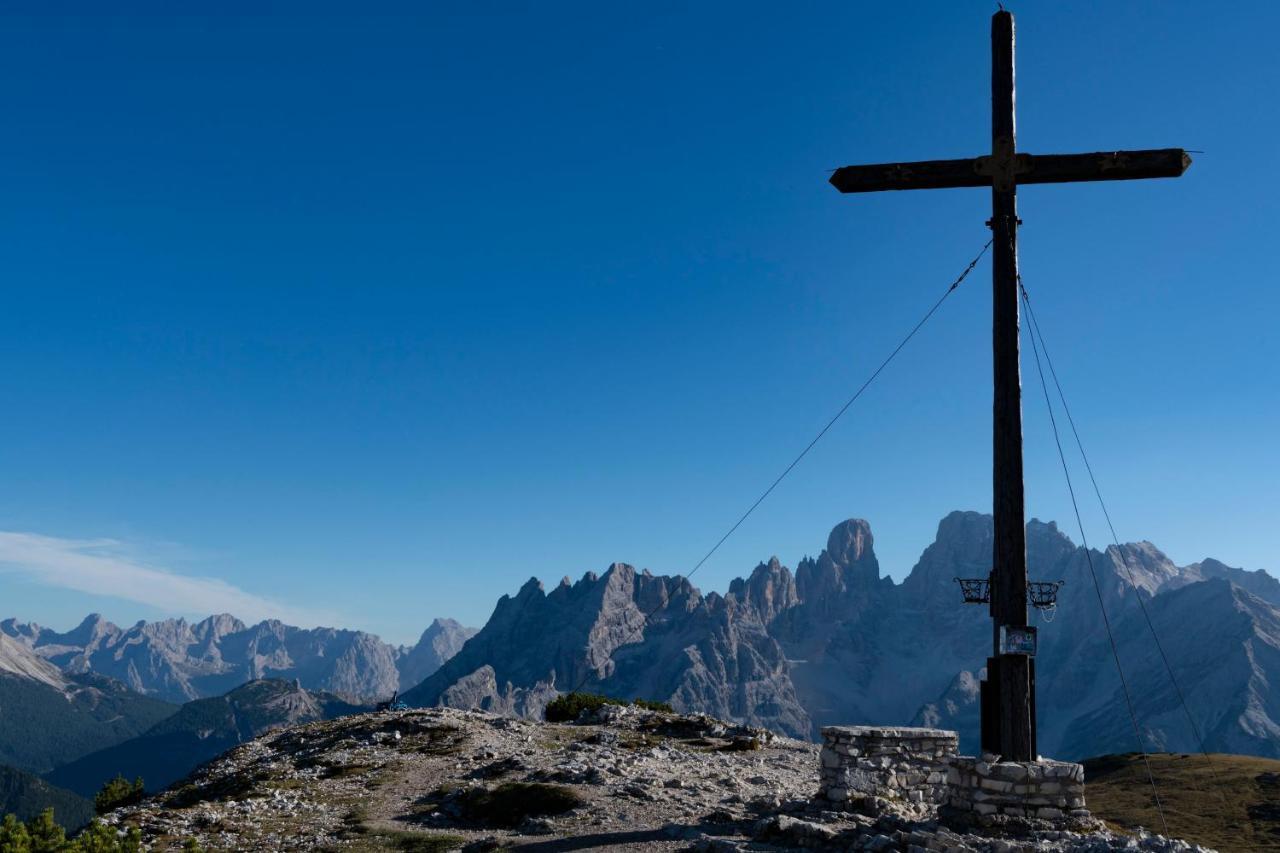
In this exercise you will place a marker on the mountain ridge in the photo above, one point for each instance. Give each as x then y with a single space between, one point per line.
48 717
199 731
178 661
835 641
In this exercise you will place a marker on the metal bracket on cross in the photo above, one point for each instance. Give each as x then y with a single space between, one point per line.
1042 595
975 590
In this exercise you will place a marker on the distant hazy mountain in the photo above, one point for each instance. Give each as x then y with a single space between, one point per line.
199 731
48 717
25 795
835 642
178 661
438 643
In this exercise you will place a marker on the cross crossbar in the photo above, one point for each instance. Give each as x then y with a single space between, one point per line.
1027 169
1008 693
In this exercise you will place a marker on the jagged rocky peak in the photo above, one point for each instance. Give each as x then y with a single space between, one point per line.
532 589
441 627
178 661
440 641
848 564
23 632
770 590
1046 542
850 542
1258 582
91 629
962 547
218 626
696 651
965 531
1146 566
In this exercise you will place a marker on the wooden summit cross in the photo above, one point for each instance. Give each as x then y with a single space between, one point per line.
1008 694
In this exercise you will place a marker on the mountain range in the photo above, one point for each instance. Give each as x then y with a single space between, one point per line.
178 661
85 704
834 641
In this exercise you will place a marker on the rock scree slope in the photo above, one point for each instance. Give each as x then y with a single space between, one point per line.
622 779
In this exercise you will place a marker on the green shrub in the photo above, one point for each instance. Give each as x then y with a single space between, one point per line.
651 705
98 837
118 792
567 708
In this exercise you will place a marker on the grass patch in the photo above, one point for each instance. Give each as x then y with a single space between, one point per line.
438 740
511 802
419 842
1233 805
353 823
345 771
416 842
226 788
639 742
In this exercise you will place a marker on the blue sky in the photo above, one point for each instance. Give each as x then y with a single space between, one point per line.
368 318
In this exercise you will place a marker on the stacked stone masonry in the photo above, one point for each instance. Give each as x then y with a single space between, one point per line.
905 764
919 768
1047 790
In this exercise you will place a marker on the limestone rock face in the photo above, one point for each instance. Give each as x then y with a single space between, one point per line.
480 691
1225 645
18 661
709 654
1257 582
837 643
770 590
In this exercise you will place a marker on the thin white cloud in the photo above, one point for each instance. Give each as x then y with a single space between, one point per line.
106 567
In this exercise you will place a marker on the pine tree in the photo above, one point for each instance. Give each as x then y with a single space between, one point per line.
46 835
14 837
118 792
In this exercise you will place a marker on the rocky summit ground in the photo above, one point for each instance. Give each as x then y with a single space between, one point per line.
622 779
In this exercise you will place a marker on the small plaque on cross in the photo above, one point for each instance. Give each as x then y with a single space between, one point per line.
1017 640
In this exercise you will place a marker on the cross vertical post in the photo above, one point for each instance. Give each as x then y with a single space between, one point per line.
1012 730
1008 694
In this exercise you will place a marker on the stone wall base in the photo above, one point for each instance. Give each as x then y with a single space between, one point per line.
903 765
916 772
989 790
